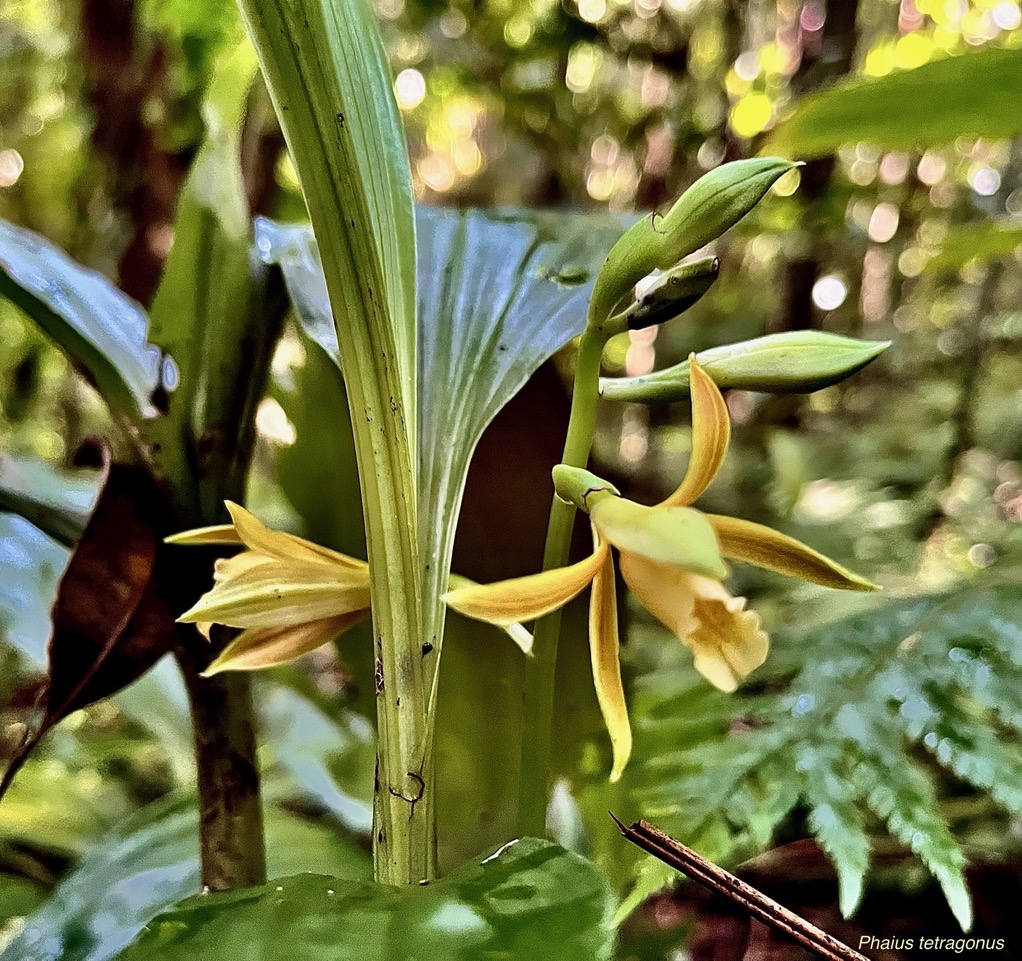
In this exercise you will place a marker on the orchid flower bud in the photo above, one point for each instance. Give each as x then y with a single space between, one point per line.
712 205
797 362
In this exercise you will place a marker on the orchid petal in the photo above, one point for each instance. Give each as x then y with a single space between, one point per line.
711 434
727 641
679 536
664 590
271 595
285 547
525 598
604 651
755 544
522 638
224 534
260 647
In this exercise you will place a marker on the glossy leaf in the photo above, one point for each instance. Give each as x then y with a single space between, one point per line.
498 295
202 316
529 901
102 330
30 566
972 95
147 864
57 502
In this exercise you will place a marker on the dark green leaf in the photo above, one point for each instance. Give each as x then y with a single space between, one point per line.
530 901
102 330
972 95
149 863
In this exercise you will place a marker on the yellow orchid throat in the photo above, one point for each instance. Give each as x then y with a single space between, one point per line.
290 595
671 559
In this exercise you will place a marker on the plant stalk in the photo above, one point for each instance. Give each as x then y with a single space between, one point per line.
541 669
233 852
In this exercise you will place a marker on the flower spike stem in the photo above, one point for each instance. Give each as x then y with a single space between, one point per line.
542 668
233 854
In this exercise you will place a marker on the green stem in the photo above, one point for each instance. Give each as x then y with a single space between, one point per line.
541 669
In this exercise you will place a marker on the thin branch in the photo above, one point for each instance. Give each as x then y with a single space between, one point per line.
674 853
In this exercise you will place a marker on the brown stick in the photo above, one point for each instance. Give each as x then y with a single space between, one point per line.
665 848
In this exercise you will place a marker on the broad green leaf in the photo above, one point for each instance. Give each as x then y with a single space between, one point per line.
498 295
972 95
149 863
202 313
988 240
30 566
327 73
102 330
330 759
529 901
57 502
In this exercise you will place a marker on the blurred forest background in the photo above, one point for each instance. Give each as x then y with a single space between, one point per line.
911 471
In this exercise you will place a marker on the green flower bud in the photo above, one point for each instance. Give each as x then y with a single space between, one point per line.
673 293
798 362
712 205
581 487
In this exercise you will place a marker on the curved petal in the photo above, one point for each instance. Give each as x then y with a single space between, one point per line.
711 434
755 544
726 640
285 547
267 595
525 598
260 647
665 591
669 535
604 651
218 534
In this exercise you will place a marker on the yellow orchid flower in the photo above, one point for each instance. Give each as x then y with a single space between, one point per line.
289 595
670 558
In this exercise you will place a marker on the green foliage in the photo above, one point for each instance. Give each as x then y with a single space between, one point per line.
102 330
202 317
975 94
150 862
852 726
529 901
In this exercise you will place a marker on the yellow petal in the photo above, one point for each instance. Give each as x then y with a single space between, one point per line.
604 648
670 535
272 594
260 647
755 544
726 640
711 434
218 534
260 538
526 598
522 638
664 590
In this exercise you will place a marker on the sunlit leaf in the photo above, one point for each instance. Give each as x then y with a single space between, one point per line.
972 95
988 240
102 330
529 901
